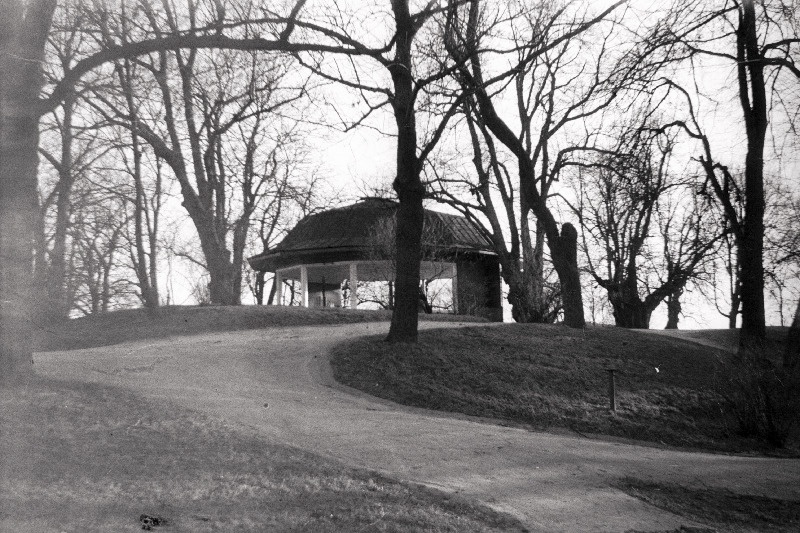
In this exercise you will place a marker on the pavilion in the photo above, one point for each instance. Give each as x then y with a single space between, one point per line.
355 243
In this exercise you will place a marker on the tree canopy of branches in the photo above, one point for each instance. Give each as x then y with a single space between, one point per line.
182 34
652 229
554 81
218 110
464 34
760 41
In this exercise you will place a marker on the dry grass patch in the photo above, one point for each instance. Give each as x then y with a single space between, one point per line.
91 458
551 376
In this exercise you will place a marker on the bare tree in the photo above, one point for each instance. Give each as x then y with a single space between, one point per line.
24 29
69 147
289 198
146 205
782 245
464 45
97 233
556 90
782 254
761 40
651 228
219 101
411 57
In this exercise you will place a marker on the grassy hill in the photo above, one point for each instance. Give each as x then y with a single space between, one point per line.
670 390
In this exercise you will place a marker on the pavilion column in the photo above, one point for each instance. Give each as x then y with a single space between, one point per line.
353 282
278 288
455 289
303 286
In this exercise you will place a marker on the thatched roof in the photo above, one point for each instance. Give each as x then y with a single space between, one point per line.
349 233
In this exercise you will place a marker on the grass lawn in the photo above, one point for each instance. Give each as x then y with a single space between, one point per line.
719 508
92 458
543 376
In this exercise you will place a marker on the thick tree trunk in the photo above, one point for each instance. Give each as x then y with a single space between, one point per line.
752 94
673 310
407 185
410 217
23 33
632 317
223 287
564 251
792 355
523 310
629 310
631 313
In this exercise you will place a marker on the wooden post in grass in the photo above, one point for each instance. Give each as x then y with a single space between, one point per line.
612 390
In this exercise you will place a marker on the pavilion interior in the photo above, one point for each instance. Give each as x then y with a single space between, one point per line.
321 284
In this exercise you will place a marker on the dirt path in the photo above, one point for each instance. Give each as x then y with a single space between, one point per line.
276 383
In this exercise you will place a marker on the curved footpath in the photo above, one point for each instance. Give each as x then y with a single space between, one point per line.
276 384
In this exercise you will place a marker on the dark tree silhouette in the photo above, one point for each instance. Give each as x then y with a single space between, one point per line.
463 40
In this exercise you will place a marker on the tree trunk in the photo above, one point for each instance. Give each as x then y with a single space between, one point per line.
410 216
145 273
528 306
223 289
564 251
24 27
57 306
631 313
792 354
751 246
629 310
258 289
673 309
734 313
407 184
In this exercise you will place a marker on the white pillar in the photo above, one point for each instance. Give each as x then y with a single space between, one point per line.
304 286
278 281
455 289
353 282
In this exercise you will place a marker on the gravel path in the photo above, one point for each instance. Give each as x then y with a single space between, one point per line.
276 383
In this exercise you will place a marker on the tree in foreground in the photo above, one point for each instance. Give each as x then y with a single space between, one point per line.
411 55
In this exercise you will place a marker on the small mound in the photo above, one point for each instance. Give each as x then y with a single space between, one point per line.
137 324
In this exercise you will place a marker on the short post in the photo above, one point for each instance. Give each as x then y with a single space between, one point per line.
612 390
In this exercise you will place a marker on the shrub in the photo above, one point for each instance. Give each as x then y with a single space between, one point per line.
763 398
